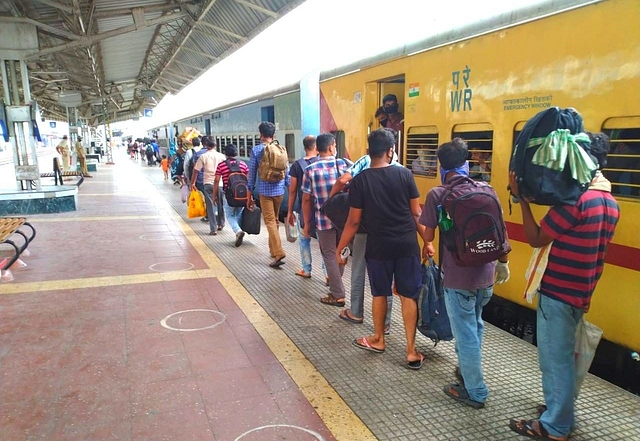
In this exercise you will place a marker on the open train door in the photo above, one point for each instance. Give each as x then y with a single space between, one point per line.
375 93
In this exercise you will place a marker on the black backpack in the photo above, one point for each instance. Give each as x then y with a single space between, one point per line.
149 149
541 184
237 191
475 232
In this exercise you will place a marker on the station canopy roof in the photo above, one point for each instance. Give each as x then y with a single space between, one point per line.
125 55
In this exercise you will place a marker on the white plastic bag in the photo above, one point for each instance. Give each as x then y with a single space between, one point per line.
184 193
291 230
587 338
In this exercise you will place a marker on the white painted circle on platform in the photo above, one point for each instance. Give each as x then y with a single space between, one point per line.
171 266
288 426
156 236
164 324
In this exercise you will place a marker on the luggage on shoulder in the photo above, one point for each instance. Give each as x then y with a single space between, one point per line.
474 231
433 321
237 192
274 162
250 222
551 158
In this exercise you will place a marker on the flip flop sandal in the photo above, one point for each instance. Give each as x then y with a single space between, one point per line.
302 274
277 263
416 364
344 315
525 428
332 301
367 346
460 394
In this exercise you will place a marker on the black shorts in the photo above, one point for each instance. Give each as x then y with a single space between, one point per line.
407 272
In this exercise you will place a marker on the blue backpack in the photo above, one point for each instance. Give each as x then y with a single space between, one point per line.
433 320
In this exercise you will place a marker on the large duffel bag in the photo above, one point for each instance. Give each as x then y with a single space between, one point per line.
544 185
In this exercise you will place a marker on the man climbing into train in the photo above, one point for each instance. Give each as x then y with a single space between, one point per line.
577 237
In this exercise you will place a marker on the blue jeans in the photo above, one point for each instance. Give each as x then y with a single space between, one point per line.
305 249
234 216
465 312
556 335
358 272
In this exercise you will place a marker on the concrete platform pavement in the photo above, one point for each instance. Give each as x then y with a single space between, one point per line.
126 326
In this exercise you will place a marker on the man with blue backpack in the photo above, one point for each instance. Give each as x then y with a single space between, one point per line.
472 238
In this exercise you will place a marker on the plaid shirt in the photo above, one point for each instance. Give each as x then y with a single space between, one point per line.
318 180
365 162
264 188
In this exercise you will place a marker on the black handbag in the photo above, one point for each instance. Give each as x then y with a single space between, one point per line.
250 222
336 208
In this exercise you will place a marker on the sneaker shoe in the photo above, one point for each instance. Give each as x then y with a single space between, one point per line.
205 219
239 238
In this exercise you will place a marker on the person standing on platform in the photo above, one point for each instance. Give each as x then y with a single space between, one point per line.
317 182
207 164
467 289
579 235
355 312
65 152
295 203
82 157
270 193
385 200
224 170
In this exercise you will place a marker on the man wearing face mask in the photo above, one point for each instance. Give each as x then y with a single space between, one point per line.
395 119
467 289
317 182
386 201
355 312
381 117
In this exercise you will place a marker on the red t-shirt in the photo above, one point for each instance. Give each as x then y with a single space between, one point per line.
580 234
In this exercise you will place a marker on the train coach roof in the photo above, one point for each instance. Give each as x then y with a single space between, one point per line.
502 21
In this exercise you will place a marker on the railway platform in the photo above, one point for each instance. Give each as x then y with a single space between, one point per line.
130 322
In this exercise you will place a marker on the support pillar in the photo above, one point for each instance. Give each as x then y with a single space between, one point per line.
21 123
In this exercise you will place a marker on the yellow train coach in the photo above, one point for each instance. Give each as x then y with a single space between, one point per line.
482 83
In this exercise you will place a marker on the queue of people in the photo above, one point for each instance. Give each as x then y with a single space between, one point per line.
381 233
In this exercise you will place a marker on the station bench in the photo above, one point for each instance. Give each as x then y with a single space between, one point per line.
58 174
9 228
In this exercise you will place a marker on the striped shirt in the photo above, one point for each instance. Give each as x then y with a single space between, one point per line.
580 235
318 180
223 171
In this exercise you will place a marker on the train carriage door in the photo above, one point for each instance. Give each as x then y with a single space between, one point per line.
207 126
384 88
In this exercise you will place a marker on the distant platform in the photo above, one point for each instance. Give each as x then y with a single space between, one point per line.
51 199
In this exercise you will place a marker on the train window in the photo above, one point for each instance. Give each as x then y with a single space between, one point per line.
218 141
516 131
242 146
422 147
479 138
340 143
268 114
290 145
223 141
234 140
249 145
623 161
